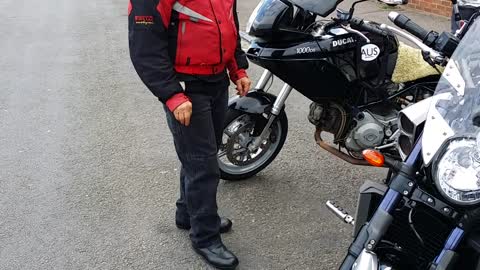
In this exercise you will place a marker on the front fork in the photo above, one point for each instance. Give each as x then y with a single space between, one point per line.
361 253
274 112
262 83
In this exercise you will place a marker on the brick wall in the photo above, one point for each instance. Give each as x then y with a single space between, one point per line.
439 7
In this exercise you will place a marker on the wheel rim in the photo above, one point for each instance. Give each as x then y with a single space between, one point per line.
234 158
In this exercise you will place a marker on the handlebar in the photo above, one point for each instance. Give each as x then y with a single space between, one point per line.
445 43
360 24
385 30
402 21
432 53
407 24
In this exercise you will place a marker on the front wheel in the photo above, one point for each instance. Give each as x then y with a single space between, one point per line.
235 159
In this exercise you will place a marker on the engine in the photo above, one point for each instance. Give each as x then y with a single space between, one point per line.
367 132
367 129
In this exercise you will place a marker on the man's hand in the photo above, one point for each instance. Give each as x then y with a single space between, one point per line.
243 86
183 113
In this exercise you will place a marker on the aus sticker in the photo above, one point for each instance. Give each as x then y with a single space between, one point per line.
370 52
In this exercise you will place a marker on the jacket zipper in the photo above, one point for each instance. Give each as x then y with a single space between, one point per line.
219 31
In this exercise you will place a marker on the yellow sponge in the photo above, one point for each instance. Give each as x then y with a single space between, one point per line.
410 65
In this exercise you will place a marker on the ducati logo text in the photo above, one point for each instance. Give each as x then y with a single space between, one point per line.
342 42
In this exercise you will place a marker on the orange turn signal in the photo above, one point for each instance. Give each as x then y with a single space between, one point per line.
374 158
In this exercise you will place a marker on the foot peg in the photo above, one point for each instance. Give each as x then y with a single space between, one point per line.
339 212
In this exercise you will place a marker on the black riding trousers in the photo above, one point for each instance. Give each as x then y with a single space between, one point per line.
197 147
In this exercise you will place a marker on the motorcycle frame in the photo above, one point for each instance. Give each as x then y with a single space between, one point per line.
283 95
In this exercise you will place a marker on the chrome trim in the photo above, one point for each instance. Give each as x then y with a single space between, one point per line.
392 16
262 82
246 37
393 2
366 261
385 146
282 97
339 212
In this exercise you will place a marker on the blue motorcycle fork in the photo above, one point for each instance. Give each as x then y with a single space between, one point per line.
448 254
392 197
371 233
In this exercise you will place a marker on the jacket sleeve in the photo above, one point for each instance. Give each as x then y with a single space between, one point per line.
239 63
148 42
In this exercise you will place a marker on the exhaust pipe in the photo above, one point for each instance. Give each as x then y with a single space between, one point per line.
336 152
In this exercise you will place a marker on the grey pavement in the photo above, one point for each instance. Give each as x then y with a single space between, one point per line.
88 174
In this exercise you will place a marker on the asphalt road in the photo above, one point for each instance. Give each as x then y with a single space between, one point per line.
88 174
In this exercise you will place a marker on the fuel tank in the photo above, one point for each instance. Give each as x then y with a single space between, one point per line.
327 66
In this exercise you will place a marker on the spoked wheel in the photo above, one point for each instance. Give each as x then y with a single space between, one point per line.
235 159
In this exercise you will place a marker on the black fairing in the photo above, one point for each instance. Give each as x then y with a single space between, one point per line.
269 15
328 66
279 19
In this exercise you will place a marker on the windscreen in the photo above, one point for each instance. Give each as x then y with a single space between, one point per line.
456 103
320 7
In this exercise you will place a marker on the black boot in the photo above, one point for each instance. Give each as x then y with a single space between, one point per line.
225 225
218 256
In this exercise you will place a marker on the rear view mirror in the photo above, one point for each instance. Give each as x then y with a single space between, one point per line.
394 2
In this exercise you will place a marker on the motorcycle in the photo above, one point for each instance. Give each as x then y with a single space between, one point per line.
357 75
427 214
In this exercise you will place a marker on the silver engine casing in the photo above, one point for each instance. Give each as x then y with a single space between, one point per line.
370 131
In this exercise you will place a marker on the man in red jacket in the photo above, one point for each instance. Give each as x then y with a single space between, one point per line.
181 50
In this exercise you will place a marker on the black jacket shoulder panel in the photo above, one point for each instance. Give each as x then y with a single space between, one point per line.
148 43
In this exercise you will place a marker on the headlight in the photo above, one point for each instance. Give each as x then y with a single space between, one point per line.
252 17
457 172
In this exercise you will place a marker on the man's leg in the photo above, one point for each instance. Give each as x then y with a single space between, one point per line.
181 215
196 148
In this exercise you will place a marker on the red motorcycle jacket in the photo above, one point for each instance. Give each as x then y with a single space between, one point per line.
194 37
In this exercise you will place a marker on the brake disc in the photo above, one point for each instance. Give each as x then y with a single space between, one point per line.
239 137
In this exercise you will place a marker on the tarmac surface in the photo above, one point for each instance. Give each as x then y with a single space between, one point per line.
88 173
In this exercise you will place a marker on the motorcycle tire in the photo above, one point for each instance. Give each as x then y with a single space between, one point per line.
281 120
